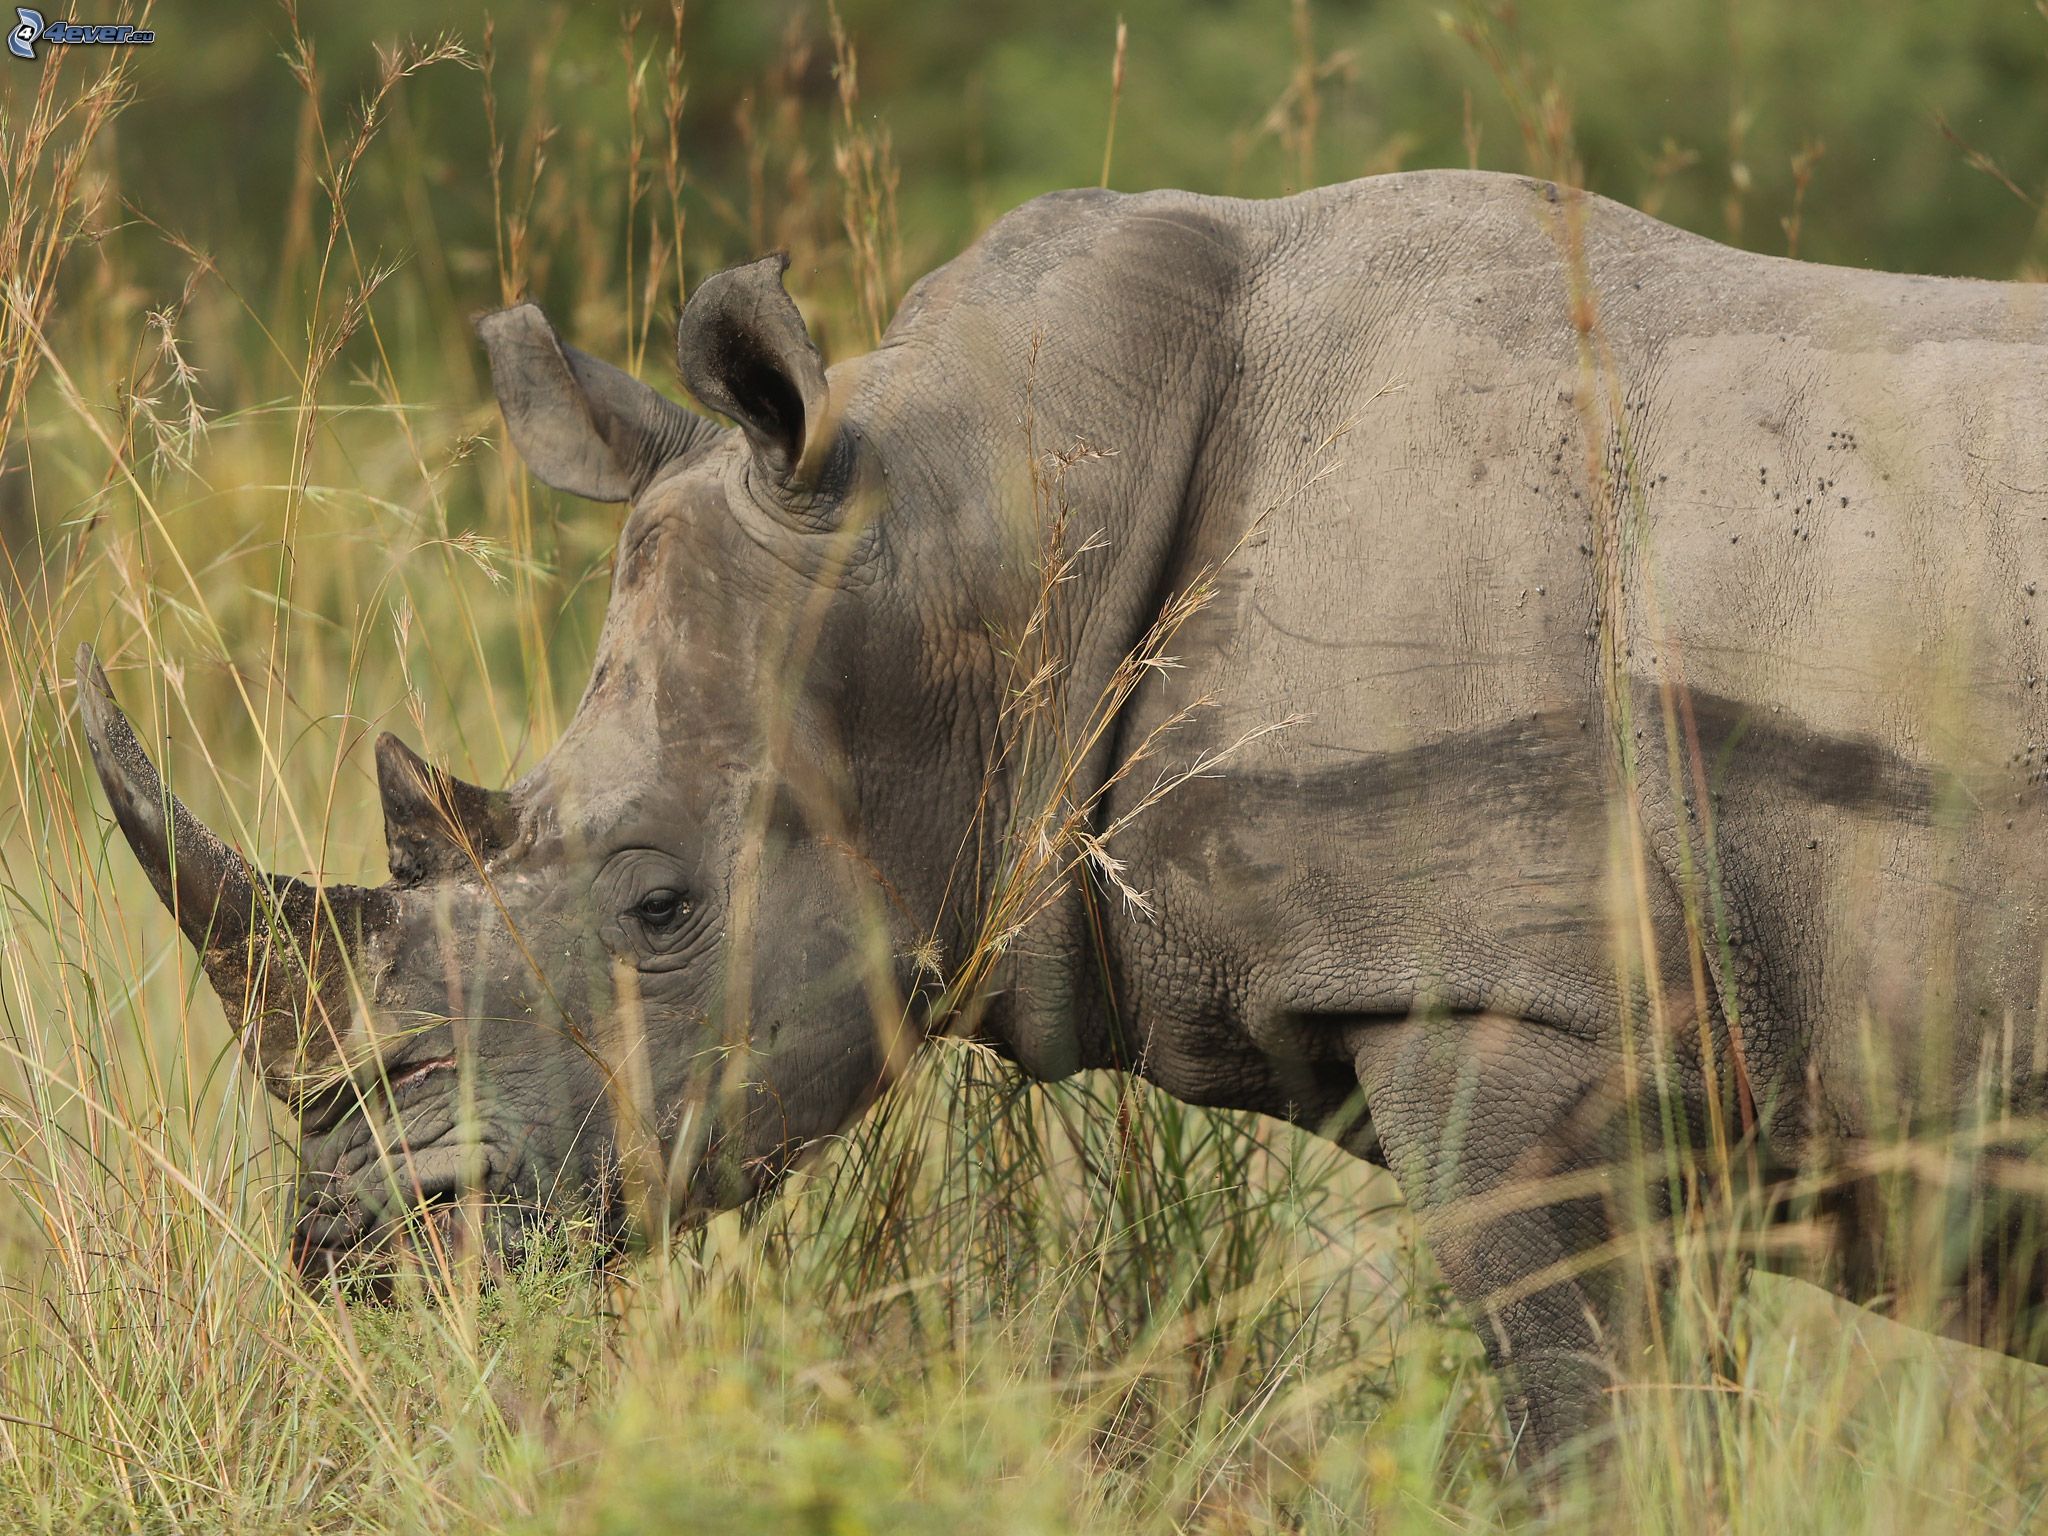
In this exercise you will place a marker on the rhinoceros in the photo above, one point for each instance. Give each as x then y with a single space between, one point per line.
1606 731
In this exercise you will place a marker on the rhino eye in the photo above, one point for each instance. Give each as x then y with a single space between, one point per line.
644 908
661 909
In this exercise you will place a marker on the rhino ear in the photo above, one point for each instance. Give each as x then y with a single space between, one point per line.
582 425
744 352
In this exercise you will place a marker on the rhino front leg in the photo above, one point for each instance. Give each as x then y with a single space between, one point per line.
1497 1130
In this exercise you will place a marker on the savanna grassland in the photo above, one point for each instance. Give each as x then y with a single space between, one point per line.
248 450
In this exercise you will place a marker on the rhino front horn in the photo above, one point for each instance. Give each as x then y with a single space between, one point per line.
274 948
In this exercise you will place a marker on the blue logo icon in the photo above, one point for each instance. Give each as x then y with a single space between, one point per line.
28 30
21 42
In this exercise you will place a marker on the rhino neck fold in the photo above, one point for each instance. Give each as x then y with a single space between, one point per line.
1058 1012
1096 341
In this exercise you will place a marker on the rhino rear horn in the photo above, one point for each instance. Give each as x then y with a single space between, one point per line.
743 350
276 949
436 825
581 425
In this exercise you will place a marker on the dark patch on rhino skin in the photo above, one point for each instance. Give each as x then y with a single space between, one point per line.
1513 763
1549 761
638 555
1848 772
617 681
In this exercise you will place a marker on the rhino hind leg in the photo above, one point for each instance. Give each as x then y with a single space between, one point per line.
1497 1130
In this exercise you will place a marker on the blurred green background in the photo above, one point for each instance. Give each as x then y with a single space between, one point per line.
1695 107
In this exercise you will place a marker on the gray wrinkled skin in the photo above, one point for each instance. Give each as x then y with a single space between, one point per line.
1829 495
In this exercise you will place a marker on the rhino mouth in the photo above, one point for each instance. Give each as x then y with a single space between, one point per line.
446 1226
374 1205
339 1245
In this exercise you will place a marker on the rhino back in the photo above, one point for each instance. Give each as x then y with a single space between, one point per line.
1821 497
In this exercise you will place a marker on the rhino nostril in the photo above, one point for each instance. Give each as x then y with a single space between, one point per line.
429 1197
437 1206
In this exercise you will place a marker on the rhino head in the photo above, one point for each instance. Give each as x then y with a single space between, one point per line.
639 982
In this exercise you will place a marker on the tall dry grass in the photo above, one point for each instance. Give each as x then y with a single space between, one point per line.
276 501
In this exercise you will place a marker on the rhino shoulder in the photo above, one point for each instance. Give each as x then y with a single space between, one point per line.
1086 242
